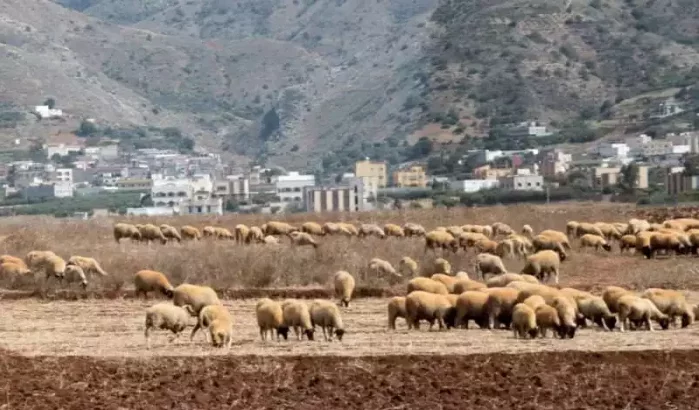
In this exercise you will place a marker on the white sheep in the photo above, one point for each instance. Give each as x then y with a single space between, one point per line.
595 309
298 317
344 287
396 309
166 316
195 296
487 263
327 315
637 309
524 321
270 318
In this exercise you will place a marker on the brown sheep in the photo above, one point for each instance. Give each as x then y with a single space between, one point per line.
471 305
442 265
170 232
595 309
255 235
384 268
546 318
637 309
524 321
348 229
302 239
344 287
371 230
432 307
413 230
527 231
242 234
546 242
123 230
557 236
487 246
89 265
487 263
278 228
593 241
567 313
426 285
312 228
571 227
13 259
671 303
150 232
440 240
407 266
151 281
223 234
584 228
189 232
543 264
331 228
611 297
12 270
469 239
463 285
627 242
499 306
446 280
503 229
396 309
393 230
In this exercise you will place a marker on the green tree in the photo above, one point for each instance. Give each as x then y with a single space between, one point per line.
629 177
691 165
87 129
51 102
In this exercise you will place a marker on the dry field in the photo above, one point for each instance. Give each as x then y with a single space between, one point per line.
89 351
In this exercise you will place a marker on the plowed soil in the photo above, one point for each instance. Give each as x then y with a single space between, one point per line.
638 380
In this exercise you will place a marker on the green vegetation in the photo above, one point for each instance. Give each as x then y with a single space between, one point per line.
114 201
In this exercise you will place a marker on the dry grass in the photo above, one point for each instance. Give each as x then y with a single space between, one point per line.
225 265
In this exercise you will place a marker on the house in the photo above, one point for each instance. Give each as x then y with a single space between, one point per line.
677 182
690 139
63 189
38 192
233 186
63 175
668 108
289 188
150 211
612 150
347 197
208 206
555 162
171 191
62 150
134 184
473 185
529 129
610 176
523 182
373 176
488 172
414 176
45 112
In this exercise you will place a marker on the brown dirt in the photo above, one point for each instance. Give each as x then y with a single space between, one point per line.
639 380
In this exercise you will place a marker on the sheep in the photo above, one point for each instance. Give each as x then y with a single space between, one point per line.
432 307
13 259
344 287
627 242
394 230
270 240
407 266
34 259
663 241
471 305
49 262
671 303
469 239
298 317
442 265
482 229
529 289
255 235
150 232
219 322
575 294
595 309
440 240
209 232
543 263
522 245
464 285
13 270
546 242
487 263
557 236
88 265
170 232
637 309
426 285
487 246
500 281
446 280
571 227
611 296
500 228
195 296
383 267
327 315
524 321
302 239
278 228
412 229
546 318
242 234
534 301
585 228
609 231
396 309
499 306
527 231
166 316
331 228
371 230
455 231
223 234
312 228
637 226
593 241
348 229
123 230
270 318
567 313
152 281
73 274
188 232
507 247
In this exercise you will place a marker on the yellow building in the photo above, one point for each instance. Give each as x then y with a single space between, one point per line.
372 174
488 172
410 177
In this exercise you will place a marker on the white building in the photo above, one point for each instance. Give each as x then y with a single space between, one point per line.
150 211
686 138
63 189
63 150
346 197
290 187
171 191
473 185
529 129
208 206
45 112
523 182
613 150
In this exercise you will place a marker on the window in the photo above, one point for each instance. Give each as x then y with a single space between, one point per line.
519 184
529 184
538 184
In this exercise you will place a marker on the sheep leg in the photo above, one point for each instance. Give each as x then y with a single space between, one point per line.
649 324
263 334
194 331
514 330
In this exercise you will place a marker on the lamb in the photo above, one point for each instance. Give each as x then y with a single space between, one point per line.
500 281
611 296
123 230
255 235
89 265
595 309
407 266
170 232
432 307
312 228
393 230
298 317
567 313
487 263
166 316
499 306
278 228
270 318
344 287
440 240
671 303
150 232
302 239
74 273
542 264
412 229
396 309
152 281
327 315
242 234
195 296
371 230
547 318
471 305
527 231
383 267
219 322
524 321
427 285
593 241
637 309
442 265
189 232
446 280
545 242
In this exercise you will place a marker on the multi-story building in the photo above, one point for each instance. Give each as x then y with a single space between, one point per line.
678 182
610 176
63 175
488 172
208 206
134 184
414 176
473 185
373 176
523 182
233 186
62 150
289 188
171 191
63 189
336 198
555 162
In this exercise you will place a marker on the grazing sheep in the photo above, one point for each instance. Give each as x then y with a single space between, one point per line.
442 265
440 240
575 294
209 232
571 228
270 318
152 281
166 316
344 287
534 301
545 242
255 235
611 296
464 284
327 315
543 264
348 229
507 248
122 230
637 309
593 241
671 303
312 228
278 228
195 296
223 234
371 230
546 318
486 230
331 228
567 313
219 322
503 229
12 270
408 267
74 274
13 259
412 229
89 265
298 317
431 307
170 232
188 232
469 239
242 234
150 232
270 240
585 228
383 267
557 236
637 226
48 262
487 263
486 246
396 309
595 309
524 321
426 285
448 281
667 242
393 230
302 239
455 231
499 305
529 289
471 305
627 242
527 231
500 281
609 231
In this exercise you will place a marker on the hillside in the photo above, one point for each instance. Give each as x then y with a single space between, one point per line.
302 80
